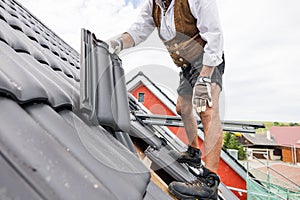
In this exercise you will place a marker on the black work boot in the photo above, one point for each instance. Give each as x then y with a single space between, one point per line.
192 156
203 188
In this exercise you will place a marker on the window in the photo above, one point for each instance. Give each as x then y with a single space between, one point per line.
141 97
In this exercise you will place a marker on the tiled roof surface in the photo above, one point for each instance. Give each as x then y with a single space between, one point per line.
282 174
36 64
47 149
55 151
260 139
286 136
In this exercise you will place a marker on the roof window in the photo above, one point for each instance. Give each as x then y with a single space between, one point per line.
141 97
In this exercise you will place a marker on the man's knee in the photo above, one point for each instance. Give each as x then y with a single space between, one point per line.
186 111
178 105
184 106
183 110
178 109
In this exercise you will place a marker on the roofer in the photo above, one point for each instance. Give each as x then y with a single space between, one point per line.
191 32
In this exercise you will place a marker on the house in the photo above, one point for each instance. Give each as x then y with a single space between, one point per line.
288 138
154 99
279 176
279 143
261 146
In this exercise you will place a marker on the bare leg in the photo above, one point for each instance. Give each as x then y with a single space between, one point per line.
212 131
211 123
184 107
208 185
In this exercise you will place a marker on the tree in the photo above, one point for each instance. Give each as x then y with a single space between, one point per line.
241 152
276 124
231 142
293 124
226 140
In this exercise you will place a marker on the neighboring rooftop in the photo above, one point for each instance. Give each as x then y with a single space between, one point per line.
286 135
260 139
289 171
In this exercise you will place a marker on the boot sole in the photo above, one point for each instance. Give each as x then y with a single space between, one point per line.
189 163
185 197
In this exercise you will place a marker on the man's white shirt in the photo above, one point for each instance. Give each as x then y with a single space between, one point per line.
208 24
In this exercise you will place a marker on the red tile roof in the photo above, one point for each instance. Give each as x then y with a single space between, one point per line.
284 175
286 135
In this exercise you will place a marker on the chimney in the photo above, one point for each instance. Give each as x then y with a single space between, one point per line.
268 135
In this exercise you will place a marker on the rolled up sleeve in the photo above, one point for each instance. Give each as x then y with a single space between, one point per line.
208 24
144 25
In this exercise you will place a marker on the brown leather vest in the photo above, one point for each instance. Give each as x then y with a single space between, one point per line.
187 45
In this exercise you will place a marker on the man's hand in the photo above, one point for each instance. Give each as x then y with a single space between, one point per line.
115 46
202 94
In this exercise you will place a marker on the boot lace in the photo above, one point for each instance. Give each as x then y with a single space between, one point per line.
199 181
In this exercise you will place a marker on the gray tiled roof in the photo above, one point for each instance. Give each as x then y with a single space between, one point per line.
260 139
47 149
35 63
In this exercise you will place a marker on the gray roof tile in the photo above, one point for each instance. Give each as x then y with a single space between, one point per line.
42 160
49 151
260 139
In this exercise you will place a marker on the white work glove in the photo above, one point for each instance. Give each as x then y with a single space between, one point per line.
202 93
115 46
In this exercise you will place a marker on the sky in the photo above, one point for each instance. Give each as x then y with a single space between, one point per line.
261 48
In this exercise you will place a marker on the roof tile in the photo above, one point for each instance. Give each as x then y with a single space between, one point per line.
285 135
58 154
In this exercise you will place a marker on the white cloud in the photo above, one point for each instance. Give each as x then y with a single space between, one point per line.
261 45
66 18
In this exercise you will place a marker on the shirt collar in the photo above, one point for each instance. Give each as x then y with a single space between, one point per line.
159 2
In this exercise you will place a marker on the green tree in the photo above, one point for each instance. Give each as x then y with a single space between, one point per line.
293 124
226 140
241 152
276 124
231 142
